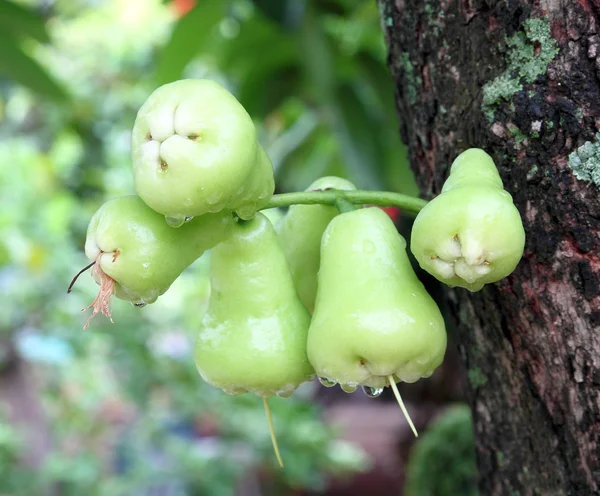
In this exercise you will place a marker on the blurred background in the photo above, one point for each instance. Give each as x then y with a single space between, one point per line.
119 409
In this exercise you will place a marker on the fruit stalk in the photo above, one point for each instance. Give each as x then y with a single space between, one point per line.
330 197
344 205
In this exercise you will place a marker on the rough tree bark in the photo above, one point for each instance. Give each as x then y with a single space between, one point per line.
521 80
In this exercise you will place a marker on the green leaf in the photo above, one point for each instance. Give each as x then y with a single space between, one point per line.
344 113
19 67
360 146
262 81
21 21
277 11
188 39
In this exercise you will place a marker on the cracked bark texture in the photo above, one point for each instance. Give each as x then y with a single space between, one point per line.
531 342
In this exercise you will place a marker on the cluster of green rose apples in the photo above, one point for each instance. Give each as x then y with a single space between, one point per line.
329 291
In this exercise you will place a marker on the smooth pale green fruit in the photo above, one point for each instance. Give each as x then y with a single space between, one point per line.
258 189
135 247
301 234
253 336
471 234
276 216
373 317
195 151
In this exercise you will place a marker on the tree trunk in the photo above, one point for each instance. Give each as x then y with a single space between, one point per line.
521 80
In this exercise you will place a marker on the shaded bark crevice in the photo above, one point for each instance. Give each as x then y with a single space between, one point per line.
534 337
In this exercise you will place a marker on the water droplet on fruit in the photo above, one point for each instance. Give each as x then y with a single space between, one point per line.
139 304
187 219
327 382
175 220
348 388
285 393
372 392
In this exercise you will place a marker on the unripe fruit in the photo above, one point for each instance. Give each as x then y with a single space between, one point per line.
253 336
373 318
134 247
194 151
471 234
301 233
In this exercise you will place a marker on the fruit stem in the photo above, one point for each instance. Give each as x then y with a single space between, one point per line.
392 383
272 431
344 205
330 197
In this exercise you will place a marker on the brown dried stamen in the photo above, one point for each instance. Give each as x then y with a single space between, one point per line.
107 287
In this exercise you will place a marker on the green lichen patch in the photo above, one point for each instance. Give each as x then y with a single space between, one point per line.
519 136
476 378
585 161
411 80
528 54
532 172
435 18
385 14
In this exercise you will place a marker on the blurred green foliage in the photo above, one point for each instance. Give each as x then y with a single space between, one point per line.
127 413
442 461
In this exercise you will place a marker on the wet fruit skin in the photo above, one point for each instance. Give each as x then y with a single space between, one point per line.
253 335
141 252
471 234
373 317
194 150
301 232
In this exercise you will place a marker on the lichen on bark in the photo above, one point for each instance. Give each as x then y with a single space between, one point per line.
528 54
585 161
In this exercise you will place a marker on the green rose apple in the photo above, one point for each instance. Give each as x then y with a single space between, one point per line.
195 151
253 336
138 256
373 319
471 234
301 233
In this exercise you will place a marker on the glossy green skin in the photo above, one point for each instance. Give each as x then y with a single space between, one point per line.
253 336
206 142
373 317
151 255
257 190
301 233
276 216
471 234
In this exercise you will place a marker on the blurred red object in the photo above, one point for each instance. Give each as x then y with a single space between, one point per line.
393 213
182 7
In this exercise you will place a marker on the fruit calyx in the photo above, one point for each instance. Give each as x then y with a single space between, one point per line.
452 260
